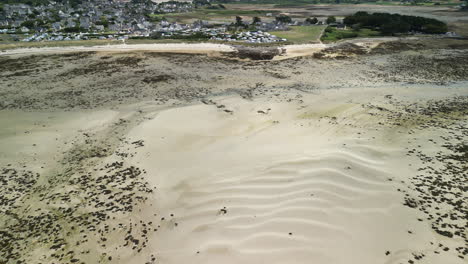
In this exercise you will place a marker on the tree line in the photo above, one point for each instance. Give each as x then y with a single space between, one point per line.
390 24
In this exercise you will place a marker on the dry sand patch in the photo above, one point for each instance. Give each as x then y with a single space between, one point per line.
187 158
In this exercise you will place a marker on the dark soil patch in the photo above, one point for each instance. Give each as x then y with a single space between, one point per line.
395 46
25 66
438 69
255 53
157 78
108 67
341 51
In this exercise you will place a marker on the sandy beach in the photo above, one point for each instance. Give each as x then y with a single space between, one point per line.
190 48
331 154
316 181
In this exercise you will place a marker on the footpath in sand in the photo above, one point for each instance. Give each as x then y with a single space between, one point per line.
289 51
196 48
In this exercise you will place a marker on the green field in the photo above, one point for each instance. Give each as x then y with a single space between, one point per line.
338 34
301 3
210 14
301 34
5 38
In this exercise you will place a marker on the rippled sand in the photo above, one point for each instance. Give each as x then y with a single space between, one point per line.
313 180
143 157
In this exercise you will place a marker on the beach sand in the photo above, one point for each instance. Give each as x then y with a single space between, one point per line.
314 180
304 160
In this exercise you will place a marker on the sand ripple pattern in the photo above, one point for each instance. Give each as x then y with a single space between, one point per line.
303 206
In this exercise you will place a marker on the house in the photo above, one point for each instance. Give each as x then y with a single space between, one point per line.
140 27
200 24
56 26
16 23
71 23
99 27
85 22
114 27
62 14
272 27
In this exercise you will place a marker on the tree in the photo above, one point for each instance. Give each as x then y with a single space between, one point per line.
435 28
40 22
331 19
395 27
395 23
28 24
103 21
283 19
239 21
256 20
465 5
312 21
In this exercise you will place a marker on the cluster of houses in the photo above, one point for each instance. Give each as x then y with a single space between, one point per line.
89 16
249 37
219 33
120 20
72 36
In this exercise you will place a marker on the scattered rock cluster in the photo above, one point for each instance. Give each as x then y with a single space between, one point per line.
439 188
341 51
256 53
440 68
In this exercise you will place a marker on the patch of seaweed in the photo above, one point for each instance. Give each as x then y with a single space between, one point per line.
157 78
341 51
255 53
395 46
108 67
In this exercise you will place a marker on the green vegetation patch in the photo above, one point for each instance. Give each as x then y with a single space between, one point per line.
301 3
208 14
333 34
363 24
301 34
390 24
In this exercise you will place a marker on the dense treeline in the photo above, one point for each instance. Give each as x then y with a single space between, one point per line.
394 23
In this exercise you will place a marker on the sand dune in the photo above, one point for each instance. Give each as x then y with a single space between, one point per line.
178 159
246 187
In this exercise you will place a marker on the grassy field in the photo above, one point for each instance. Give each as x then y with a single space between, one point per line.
301 34
301 3
212 14
5 38
338 34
